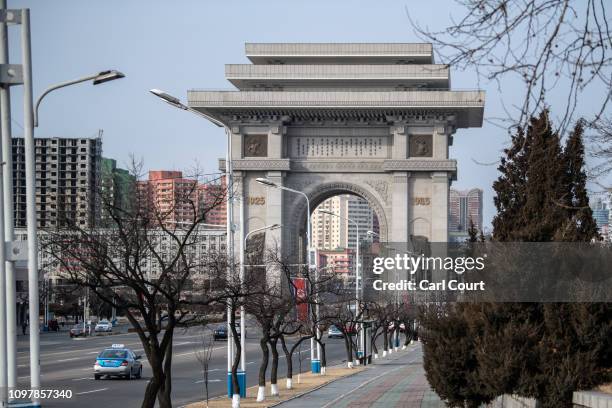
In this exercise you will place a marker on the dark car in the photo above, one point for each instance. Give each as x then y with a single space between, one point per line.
220 333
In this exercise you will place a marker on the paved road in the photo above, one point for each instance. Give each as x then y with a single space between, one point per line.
394 382
68 364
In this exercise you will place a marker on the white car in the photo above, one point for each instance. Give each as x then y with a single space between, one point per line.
118 361
104 326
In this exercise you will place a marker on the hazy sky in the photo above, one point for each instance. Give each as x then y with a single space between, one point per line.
180 45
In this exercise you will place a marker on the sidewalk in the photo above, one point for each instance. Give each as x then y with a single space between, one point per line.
397 381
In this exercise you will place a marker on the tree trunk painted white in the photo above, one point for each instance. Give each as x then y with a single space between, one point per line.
236 401
261 394
274 390
323 370
384 353
404 347
376 355
349 364
289 383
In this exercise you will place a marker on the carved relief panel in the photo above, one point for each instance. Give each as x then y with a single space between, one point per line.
420 146
255 145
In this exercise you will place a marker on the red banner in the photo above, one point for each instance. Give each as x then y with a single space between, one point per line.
301 294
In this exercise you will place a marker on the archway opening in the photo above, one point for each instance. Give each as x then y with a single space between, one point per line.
339 223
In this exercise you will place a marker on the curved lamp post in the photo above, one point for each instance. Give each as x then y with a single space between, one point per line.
261 390
357 267
315 360
99 78
176 102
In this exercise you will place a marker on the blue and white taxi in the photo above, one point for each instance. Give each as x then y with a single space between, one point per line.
118 361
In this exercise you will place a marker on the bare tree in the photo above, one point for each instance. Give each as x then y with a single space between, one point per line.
546 44
148 264
345 314
382 312
601 150
203 354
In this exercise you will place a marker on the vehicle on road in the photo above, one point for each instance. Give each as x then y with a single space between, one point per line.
333 331
104 326
220 333
118 361
78 330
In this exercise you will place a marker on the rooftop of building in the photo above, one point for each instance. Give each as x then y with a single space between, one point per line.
339 53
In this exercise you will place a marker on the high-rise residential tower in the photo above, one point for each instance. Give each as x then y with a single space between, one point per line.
463 207
68 173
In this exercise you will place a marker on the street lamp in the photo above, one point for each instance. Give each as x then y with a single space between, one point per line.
31 122
99 78
357 267
314 361
261 390
176 102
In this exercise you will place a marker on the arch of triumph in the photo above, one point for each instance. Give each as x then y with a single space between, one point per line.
375 120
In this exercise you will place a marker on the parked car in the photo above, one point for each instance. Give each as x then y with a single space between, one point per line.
104 326
333 331
118 361
78 330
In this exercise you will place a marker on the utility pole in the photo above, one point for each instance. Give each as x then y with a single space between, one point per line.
10 75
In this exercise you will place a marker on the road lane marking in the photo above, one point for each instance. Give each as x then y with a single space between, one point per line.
89 392
67 359
210 381
193 351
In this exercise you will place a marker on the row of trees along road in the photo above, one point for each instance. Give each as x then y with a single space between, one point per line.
475 352
154 270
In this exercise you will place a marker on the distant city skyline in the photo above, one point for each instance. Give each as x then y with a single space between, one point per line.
68 43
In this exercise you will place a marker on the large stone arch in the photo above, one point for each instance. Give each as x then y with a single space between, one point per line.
317 193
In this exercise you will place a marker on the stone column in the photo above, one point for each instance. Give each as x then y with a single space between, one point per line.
236 140
439 203
440 143
275 141
274 209
399 148
399 210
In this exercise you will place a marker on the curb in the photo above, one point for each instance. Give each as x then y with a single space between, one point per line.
326 384
314 389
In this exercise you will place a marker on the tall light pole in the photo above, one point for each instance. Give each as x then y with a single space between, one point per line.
97 78
357 270
315 360
261 390
176 102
